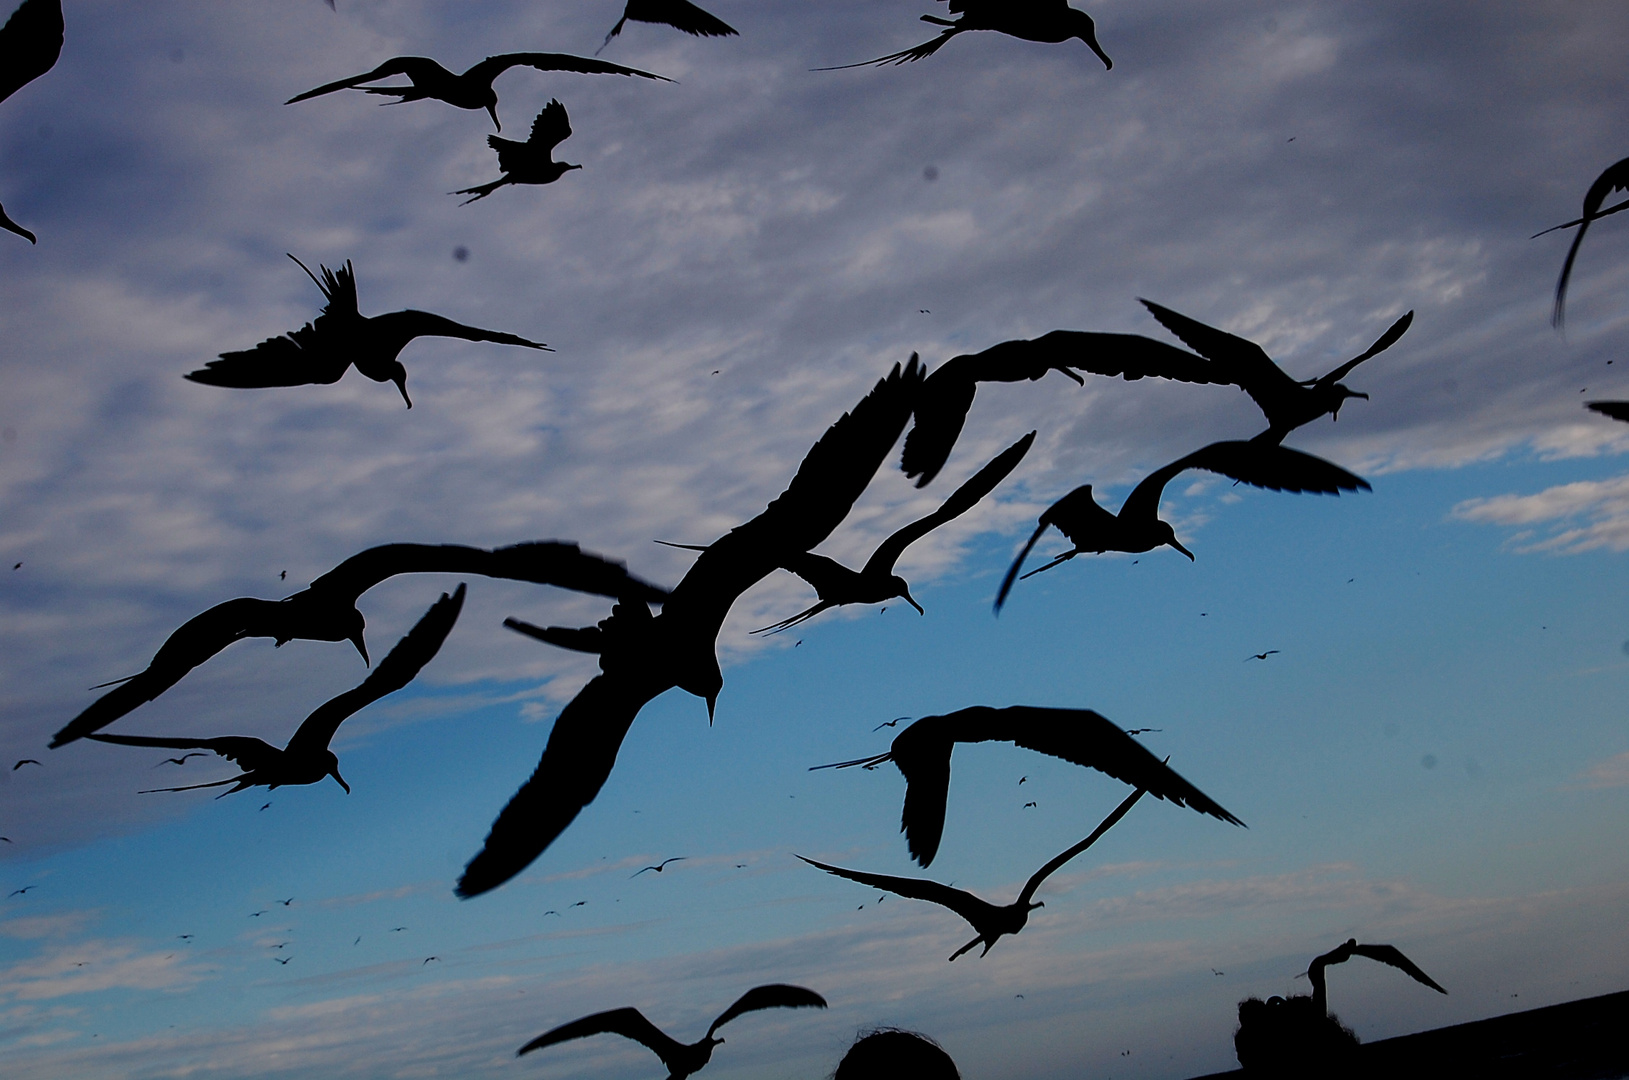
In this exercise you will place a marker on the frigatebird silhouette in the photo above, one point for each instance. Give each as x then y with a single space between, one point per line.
26 761
471 90
322 351
679 14
1287 404
30 43
1386 954
326 610
643 656
947 396
306 759
532 161
1617 410
1137 527
658 867
992 922
876 581
1080 736
681 1059
1049 21
1615 178
11 226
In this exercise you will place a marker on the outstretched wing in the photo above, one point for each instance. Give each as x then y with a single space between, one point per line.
629 1022
772 996
248 752
30 43
1062 857
278 361
493 66
962 903
400 327
1615 178
551 128
1390 954
1259 464
1617 410
920 52
679 14
542 562
400 667
414 67
1240 362
1382 343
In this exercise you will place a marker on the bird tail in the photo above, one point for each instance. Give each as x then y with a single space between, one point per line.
615 30
482 191
867 762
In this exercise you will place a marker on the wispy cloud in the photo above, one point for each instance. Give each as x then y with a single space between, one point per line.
1605 502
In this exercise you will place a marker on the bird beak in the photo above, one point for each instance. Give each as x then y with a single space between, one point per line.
493 109
1182 549
361 647
711 701
334 772
401 384
1108 65
913 603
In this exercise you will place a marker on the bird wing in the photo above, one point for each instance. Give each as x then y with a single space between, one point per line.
30 43
922 754
905 56
1130 356
1274 467
541 562
1617 410
960 502
771 996
248 752
628 1022
1064 856
962 903
400 327
818 570
551 128
941 410
1615 178
1018 563
11 226
493 66
400 667
679 14
414 67
1240 362
1382 343
278 361
1390 954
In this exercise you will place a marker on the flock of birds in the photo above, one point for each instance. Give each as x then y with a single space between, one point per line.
642 653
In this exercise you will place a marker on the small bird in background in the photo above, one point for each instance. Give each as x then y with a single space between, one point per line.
1049 21
182 760
1260 655
679 14
25 761
657 868
532 161
20 892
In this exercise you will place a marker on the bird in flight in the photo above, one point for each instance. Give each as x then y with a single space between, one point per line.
1260 655
1615 178
532 161
307 759
679 14
1617 410
1080 736
1137 527
323 350
990 920
471 90
680 1058
20 892
1049 21
658 867
25 761
182 760
889 723
1386 954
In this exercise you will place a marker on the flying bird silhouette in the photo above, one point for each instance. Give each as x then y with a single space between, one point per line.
322 351
658 867
1386 954
25 761
471 90
992 922
1617 410
1286 403
1080 736
681 1059
1137 527
326 610
679 14
182 760
20 892
1615 178
532 161
1049 21
30 43
642 656
306 759
1260 655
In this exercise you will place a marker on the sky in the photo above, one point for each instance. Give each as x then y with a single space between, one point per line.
1435 757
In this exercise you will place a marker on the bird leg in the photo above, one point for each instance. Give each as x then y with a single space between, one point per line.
970 944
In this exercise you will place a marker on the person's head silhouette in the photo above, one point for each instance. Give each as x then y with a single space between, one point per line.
893 1054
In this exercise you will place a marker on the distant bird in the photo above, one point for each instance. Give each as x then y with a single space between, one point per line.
643 656
184 937
290 900
326 610
947 396
283 960
30 42
25 761
889 723
922 754
258 914
182 760
1615 178
21 891
876 581
427 959
1386 954
471 90
532 161
658 867
991 922
1137 527
1617 410
322 351
679 14
1030 804
1050 21
11 226
1286 403
1260 655
307 759
681 1059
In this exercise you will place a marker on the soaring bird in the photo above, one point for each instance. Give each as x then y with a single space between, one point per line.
11 226
1386 954
948 394
681 1059
991 921
1080 736
1617 410
1050 21
30 42
1137 527
532 161
326 610
322 351
1286 403
1615 178
679 14
306 759
643 656
472 89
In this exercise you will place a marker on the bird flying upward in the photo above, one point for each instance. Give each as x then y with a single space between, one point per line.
679 14
681 1059
1049 21
1615 178
323 350
532 161
1386 954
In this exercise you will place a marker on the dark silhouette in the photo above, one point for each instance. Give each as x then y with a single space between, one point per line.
1290 1038
472 89
991 922
1137 527
1050 21
306 759
642 656
20 892
182 760
532 161
947 396
892 1054
322 351
1615 178
1287 404
1261 655
26 761
658 867
681 1059
876 581
1617 410
11 226
679 14
1386 954
1080 736
30 42
326 610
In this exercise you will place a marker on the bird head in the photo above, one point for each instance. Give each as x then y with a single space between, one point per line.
1341 394
398 375
901 589
1034 904
333 770
491 106
354 625
1168 536
1082 27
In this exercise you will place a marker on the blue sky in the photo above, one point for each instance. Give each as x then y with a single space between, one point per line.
1435 757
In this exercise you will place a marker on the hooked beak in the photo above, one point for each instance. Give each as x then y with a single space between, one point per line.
401 384
1182 549
712 700
493 109
909 600
361 647
1108 65
334 772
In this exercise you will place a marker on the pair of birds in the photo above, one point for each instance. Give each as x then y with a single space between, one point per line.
30 43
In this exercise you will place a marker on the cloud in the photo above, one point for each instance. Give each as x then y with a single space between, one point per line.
1605 501
93 966
1613 772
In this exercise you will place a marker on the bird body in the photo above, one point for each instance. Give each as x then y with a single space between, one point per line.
1615 178
532 161
679 14
1048 21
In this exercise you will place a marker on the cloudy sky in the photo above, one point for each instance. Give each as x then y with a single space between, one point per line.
1435 757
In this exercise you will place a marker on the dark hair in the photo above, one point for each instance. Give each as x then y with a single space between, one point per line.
1292 1037
895 1054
